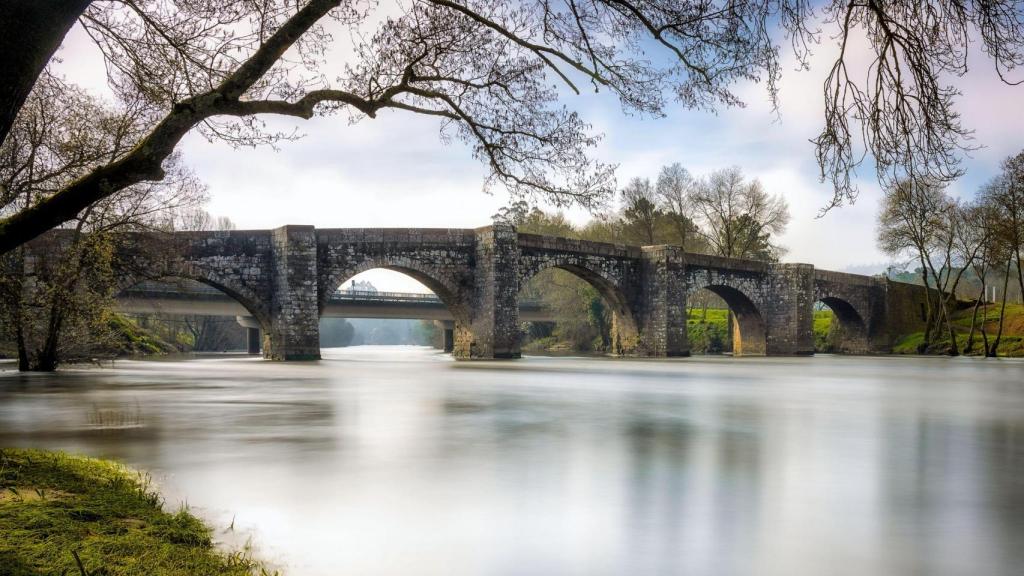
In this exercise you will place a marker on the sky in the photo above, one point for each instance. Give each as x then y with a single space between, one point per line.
393 171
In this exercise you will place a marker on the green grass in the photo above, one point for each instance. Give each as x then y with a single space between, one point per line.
63 514
1011 343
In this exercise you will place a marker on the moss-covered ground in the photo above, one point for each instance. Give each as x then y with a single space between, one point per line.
75 516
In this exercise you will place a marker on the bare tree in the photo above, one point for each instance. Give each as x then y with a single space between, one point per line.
640 211
674 187
484 68
903 115
1005 197
738 217
917 218
977 236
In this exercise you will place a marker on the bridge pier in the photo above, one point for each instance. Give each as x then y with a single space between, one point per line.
789 310
448 336
494 309
253 334
253 340
294 332
662 309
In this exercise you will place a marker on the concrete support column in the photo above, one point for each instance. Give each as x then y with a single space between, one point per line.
253 340
662 308
494 309
448 331
294 333
789 310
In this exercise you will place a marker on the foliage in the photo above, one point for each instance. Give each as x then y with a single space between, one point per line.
336 332
738 217
57 297
492 73
58 509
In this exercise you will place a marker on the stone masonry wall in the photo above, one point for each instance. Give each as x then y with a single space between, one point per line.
284 276
295 320
494 329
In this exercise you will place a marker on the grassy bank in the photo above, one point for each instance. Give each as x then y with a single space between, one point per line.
1011 344
62 514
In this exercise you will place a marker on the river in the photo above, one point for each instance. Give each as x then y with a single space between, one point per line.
400 461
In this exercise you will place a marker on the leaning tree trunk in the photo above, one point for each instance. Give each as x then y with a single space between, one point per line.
928 315
30 32
974 317
992 352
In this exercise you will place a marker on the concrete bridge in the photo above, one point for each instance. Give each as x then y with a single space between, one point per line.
285 278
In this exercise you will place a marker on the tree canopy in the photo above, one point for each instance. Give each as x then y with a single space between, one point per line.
492 72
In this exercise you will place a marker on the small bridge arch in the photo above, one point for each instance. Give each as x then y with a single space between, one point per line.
858 309
745 291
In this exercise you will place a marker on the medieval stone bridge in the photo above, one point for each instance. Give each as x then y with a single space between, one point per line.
284 278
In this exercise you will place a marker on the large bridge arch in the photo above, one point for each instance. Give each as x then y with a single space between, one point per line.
625 337
445 288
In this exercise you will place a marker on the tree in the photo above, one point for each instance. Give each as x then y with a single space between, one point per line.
484 69
978 236
30 32
640 211
674 189
739 217
1005 197
918 218
57 297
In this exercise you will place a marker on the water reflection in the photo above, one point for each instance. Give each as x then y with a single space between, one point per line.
399 461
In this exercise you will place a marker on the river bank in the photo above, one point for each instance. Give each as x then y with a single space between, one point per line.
65 514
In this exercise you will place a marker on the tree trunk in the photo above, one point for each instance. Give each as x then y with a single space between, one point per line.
30 32
19 334
974 317
928 304
1020 274
992 352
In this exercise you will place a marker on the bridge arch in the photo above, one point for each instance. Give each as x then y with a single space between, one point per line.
625 330
445 289
744 295
749 337
257 307
849 331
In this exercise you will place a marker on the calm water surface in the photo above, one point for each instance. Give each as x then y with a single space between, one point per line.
399 461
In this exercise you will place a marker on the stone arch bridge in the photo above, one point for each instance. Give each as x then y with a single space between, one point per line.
284 277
